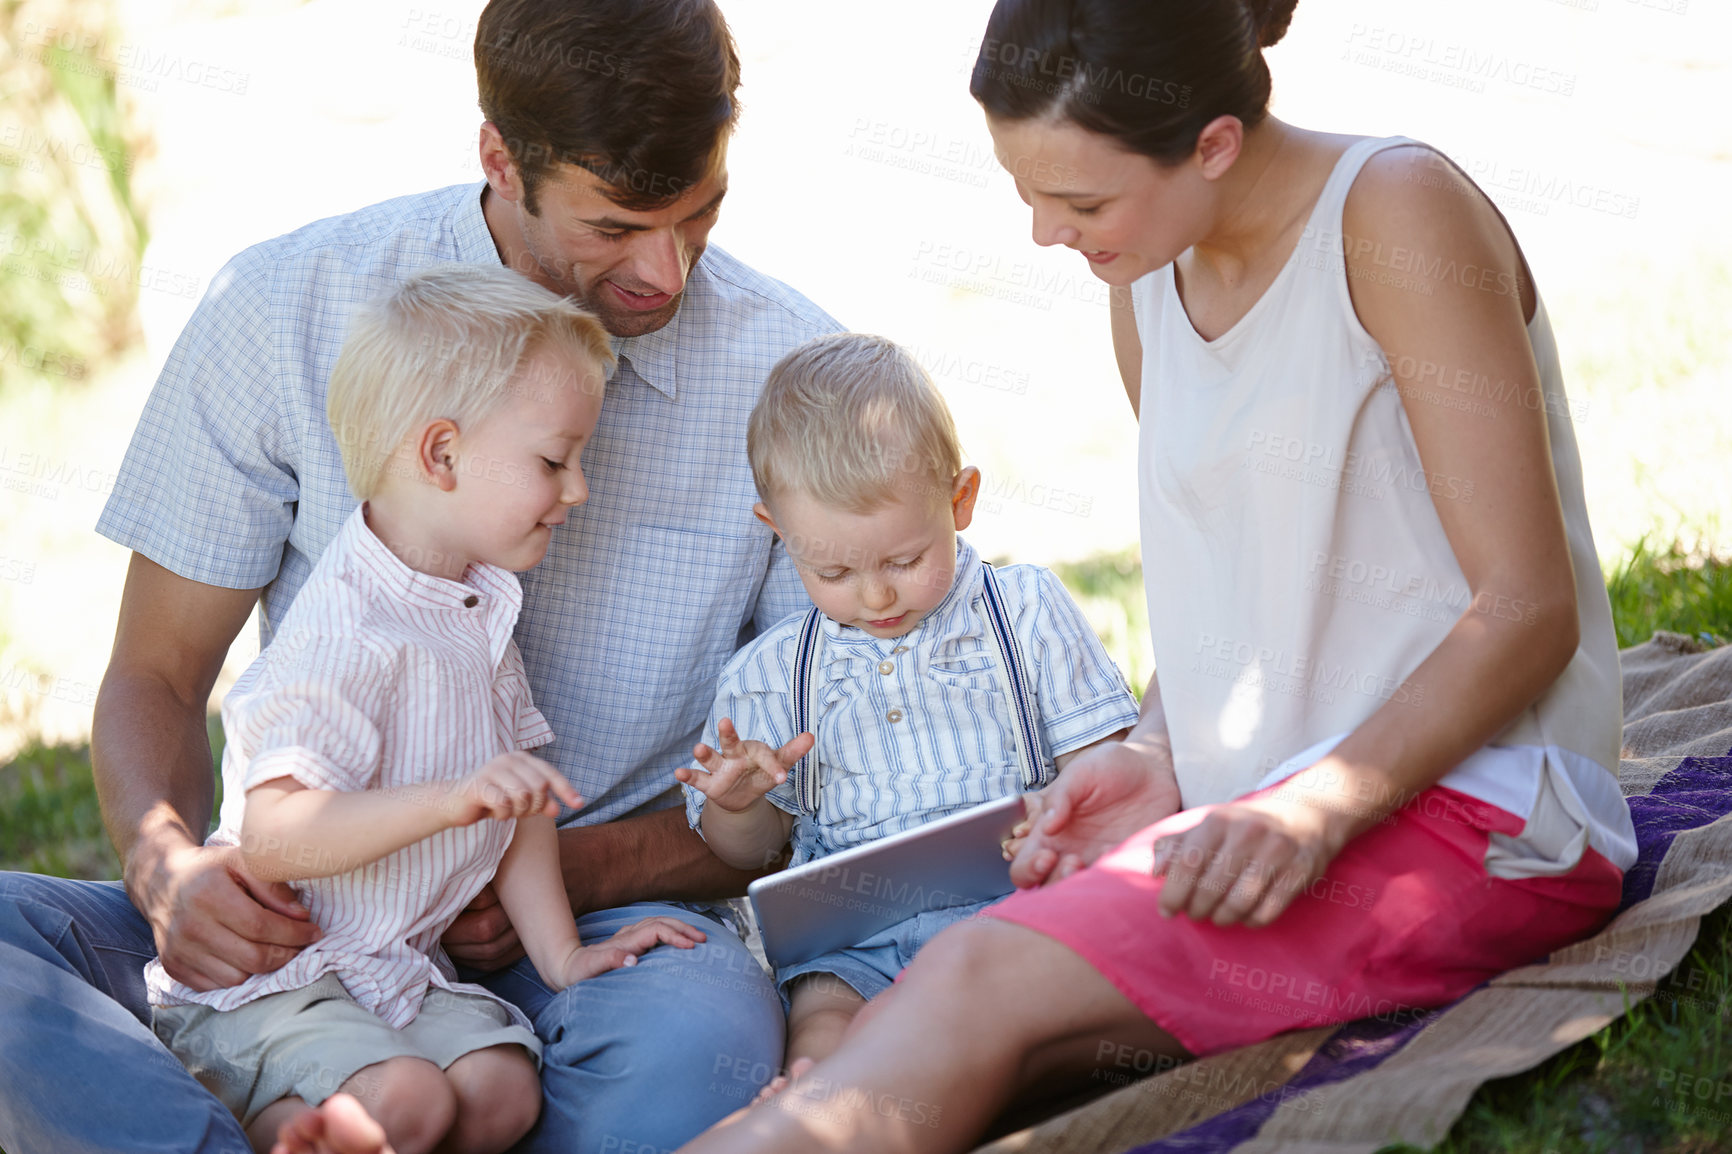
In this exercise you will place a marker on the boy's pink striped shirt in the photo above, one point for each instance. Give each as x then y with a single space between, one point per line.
378 676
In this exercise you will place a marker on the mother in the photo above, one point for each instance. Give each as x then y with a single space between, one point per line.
1387 709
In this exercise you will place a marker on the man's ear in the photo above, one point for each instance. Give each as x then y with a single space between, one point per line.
963 492
436 454
496 163
762 512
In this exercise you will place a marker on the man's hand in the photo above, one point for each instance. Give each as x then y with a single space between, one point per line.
1104 796
482 937
510 786
741 772
215 925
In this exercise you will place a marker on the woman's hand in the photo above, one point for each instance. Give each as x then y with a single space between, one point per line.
1247 860
1103 797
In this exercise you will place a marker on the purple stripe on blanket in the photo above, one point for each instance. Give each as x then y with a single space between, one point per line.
1697 792
1352 1049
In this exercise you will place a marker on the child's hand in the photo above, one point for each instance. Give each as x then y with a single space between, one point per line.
1032 806
624 947
512 785
741 772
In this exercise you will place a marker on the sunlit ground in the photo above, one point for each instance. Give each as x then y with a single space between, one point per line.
862 175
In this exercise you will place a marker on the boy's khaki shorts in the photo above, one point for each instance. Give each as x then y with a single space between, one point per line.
306 1043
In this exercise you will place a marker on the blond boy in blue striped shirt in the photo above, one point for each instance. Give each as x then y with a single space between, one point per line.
860 472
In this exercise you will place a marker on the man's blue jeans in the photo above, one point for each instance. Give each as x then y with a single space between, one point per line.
637 1060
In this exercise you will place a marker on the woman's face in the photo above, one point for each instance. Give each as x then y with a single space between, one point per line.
1124 213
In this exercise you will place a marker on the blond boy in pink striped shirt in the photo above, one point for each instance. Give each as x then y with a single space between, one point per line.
376 754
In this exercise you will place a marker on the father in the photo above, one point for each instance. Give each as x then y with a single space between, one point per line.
604 150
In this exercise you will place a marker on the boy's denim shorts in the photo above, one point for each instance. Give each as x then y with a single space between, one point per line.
306 1043
872 966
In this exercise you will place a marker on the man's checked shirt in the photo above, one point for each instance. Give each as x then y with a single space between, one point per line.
234 479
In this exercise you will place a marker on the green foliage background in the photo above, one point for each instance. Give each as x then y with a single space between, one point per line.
71 233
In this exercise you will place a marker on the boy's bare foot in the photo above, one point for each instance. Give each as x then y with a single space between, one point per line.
339 1126
796 1070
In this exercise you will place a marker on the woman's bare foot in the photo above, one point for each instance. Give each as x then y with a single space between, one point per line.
796 1069
339 1126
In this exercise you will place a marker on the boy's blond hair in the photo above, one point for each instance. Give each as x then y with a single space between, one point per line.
854 422
446 342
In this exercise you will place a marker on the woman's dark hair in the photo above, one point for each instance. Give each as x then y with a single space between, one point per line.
1148 73
639 92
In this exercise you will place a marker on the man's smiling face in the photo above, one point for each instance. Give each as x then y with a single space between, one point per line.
629 267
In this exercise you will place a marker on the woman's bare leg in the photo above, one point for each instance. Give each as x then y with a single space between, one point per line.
987 1008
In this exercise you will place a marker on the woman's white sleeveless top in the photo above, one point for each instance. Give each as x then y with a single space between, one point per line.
1296 569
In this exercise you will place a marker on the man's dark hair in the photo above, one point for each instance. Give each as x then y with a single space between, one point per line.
639 92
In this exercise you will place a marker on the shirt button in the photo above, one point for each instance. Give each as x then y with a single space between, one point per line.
887 667
471 601
893 715
900 649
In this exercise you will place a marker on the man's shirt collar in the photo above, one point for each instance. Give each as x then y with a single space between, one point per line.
469 228
654 356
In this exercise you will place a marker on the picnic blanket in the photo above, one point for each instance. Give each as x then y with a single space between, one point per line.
1354 1088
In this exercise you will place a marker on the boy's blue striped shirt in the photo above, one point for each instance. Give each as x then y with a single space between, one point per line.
915 727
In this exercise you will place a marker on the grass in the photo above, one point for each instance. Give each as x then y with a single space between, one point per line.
1673 590
1109 589
1636 1086
1656 1081
49 819
1633 1088
69 280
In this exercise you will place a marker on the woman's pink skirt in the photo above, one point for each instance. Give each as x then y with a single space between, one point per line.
1405 918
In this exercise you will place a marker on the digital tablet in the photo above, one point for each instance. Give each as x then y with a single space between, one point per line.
843 899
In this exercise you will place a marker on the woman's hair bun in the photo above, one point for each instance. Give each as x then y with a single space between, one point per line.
1271 18
1093 63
